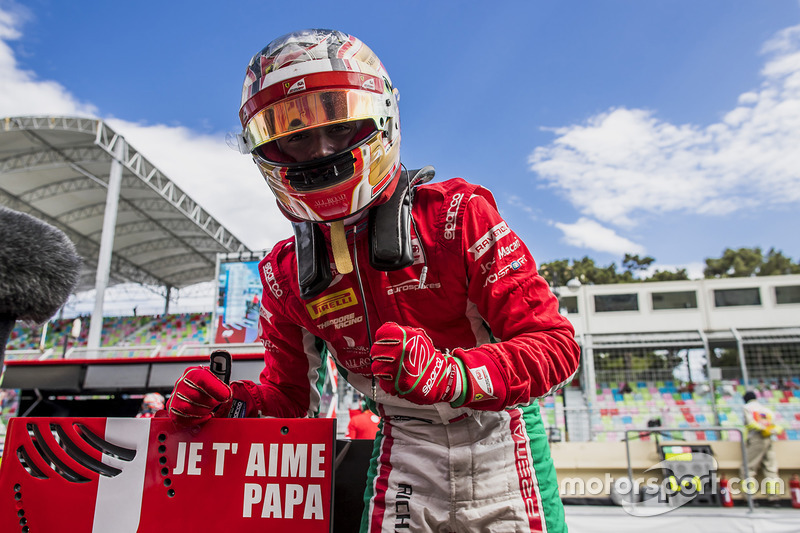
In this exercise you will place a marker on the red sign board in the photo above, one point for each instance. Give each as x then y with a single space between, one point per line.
142 475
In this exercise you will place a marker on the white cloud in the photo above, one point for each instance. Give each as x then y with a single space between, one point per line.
587 233
226 183
22 93
518 202
627 163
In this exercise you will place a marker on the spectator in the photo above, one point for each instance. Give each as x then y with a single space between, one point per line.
363 423
151 404
791 384
761 431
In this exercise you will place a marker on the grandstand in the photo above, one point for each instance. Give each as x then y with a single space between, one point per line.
658 354
127 336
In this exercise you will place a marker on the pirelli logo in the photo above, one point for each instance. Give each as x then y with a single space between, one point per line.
331 302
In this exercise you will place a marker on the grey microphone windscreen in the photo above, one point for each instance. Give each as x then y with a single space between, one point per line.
39 267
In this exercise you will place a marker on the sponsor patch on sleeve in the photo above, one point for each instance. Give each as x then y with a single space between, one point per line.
488 239
482 386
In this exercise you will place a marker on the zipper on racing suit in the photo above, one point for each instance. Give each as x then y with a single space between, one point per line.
363 304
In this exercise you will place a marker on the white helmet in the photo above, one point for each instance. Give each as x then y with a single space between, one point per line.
315 78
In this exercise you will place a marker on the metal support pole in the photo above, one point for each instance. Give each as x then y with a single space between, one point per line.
36 402
742 364
713 387
589 379
43 338
166 299
106 242
212 328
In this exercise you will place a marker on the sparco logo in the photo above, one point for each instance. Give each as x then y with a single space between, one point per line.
269 275
331 302
432 379
450 219
419 356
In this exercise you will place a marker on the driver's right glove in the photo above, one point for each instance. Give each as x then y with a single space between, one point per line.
199 395
408 365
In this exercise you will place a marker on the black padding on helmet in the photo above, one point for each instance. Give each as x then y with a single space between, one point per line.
390 224
390 230
313 264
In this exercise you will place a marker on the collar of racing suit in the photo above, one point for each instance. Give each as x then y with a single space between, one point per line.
389 226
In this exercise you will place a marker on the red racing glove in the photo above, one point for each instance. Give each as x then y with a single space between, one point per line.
409 366
199 395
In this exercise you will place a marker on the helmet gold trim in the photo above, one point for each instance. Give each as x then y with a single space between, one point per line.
317 78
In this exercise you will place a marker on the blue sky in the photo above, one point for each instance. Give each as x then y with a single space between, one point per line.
665 128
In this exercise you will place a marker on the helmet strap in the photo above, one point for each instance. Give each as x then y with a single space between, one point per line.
341 254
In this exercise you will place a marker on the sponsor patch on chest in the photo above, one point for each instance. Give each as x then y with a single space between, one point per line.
331 302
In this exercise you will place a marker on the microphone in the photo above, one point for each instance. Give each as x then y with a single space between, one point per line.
39 269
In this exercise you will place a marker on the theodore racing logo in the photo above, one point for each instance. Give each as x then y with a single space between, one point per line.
331 302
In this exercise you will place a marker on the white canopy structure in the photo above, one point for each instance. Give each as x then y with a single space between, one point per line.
129 222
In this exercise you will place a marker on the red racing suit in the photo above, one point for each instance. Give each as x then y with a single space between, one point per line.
481 293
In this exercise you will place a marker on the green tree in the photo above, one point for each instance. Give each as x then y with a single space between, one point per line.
557 273
745 262
680 274
777 264
633 264
739 263
587 272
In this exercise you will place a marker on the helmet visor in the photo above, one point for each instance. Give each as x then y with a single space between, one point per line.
311 110
323 172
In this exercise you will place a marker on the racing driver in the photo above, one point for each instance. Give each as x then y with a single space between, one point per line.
430 305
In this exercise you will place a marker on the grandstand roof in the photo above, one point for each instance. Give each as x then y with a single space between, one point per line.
57 169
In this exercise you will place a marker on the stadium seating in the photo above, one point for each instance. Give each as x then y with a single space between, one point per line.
552 409
168 331
614 412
